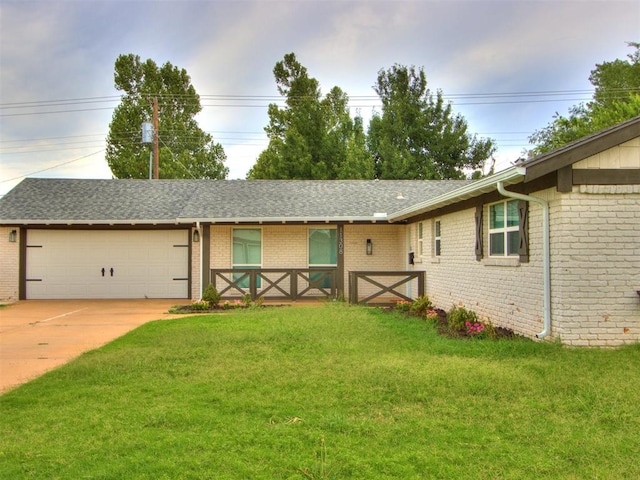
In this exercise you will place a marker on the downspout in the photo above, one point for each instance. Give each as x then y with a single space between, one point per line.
546 259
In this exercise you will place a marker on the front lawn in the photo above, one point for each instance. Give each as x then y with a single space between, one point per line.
329 391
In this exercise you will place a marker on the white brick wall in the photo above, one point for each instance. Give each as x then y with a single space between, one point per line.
286 246
596 265
389 253
595 268
507 293
9 265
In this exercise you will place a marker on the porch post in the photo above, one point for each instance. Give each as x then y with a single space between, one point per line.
340 262
205 274
22 268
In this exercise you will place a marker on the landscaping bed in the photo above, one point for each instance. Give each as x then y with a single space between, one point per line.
457 323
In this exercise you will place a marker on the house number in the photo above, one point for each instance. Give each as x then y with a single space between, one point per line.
340 241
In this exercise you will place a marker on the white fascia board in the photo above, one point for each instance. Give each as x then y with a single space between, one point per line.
87 222
254 220
484 185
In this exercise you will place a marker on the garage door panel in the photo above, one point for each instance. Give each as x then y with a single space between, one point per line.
69 264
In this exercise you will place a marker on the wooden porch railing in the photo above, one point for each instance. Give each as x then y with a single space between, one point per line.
369 277
275 283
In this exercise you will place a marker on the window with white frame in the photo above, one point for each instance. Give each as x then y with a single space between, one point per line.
504 236
323 253
437 243
247 253
420 237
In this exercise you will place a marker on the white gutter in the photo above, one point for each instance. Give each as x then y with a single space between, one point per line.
484 185
546 260
378 217
29 221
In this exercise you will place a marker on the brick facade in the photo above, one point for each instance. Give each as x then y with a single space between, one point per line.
9 265
504 291
595 262
596 265
286 246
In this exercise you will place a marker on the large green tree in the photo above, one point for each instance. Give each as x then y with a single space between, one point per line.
616 99
417 135
186 151
311 137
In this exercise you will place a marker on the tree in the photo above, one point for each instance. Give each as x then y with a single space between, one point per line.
418 136
616 99
311 137
186 151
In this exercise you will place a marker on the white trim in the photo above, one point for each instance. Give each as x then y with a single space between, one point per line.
475 189
504 230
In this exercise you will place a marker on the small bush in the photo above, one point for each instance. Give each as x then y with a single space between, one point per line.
211 295
420 305
258 303
246 300
403 305
200 305
458 317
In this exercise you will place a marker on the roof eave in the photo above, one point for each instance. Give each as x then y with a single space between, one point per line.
194 220
31 221
485 185
259 220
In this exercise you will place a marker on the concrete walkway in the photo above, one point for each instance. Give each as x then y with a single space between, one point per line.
39 335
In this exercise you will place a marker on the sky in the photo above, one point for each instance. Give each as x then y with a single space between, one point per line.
507 66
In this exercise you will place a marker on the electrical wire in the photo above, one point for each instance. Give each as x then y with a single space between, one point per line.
52 167
247 139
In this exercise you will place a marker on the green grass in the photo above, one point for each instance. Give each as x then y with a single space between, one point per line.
325 392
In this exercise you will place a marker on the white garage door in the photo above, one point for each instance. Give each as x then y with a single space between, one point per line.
107 264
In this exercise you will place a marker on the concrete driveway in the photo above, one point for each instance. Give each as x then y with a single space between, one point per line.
39 335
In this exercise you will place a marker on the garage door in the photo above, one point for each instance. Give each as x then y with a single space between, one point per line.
107 264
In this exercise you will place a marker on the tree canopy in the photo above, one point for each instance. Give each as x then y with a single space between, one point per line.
186 151
616 99
311 137
418 136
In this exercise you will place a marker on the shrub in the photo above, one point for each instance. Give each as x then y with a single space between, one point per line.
246 299
258 303
420 305
403 305
200 305
211 295
458 317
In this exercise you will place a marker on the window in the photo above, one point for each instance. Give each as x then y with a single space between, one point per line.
420 236
323 252
436 238
247 252
504 229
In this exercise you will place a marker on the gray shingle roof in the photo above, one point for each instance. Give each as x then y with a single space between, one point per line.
39 200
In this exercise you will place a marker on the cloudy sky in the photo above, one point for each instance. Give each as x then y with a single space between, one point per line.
507 65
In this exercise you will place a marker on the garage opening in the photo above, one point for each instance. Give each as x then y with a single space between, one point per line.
75 264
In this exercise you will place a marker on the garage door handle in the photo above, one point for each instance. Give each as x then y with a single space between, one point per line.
103 271
111 270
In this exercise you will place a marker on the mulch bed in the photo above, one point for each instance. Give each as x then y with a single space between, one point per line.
446 331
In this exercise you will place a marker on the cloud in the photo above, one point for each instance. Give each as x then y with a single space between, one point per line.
67 49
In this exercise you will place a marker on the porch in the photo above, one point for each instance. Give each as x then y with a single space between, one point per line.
298 284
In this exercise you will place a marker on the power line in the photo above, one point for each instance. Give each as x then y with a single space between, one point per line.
238 101
52 167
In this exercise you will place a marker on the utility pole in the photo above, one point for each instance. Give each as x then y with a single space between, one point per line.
156 145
